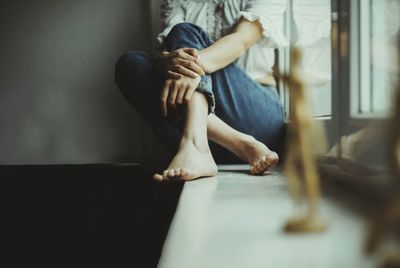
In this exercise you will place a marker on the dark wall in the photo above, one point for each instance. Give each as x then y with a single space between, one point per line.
58 99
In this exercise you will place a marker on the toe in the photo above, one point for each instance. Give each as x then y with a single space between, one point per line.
165 174
261 163
184 173
171 173
255 168
264 163
273 159
259 166
265 168
157 177
177 172
252 171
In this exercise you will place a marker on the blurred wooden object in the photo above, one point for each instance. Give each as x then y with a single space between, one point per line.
388 220
300 166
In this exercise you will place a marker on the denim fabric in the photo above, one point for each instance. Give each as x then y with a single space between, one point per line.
233 96
191 35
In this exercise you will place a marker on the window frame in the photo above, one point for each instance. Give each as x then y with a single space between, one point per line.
284 66
350 72
346 88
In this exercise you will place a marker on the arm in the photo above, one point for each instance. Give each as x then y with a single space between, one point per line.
215 57
230 47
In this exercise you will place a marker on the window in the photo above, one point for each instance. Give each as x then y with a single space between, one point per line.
365 43
374 25
307 24
365 36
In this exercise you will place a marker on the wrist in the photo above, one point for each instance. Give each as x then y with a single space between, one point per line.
205 63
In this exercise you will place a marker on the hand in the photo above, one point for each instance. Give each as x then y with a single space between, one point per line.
177 91
179 63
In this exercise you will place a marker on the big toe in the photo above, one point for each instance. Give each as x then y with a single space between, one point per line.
157 177
272 160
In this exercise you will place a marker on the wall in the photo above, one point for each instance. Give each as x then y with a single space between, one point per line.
58 99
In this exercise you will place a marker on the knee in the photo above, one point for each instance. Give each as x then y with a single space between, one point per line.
132 62
132 66
185 27
187 30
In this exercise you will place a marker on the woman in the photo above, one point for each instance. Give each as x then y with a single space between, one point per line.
214 80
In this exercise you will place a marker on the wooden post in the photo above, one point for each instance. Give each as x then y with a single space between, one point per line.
389 218
300 165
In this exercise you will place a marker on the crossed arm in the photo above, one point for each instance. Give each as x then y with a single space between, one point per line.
184 66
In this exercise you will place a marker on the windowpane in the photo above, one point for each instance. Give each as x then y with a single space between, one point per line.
374 35
385 25
366 41
308 26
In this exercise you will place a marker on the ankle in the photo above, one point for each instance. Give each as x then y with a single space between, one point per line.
198 143
245 140
240 145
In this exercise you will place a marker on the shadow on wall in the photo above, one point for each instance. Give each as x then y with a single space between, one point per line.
58 99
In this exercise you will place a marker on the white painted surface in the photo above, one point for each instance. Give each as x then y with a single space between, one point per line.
235 220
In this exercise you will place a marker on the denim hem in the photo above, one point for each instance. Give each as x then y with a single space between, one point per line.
206 88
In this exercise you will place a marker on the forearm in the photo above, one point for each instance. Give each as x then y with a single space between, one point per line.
223 52
227 49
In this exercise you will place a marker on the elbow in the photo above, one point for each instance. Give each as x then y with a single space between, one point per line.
245 45
248 41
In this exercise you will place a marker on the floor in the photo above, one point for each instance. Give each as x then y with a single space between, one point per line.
108 214
235 220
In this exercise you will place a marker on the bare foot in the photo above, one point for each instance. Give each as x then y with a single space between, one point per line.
259 156
191 162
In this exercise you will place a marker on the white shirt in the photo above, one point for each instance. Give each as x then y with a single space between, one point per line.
217 18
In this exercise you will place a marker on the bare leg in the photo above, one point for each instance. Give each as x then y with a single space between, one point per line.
194 159
244 146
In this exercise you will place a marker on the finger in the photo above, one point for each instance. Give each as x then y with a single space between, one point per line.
164 96
188 95
181 95
191 51
165 55
172 97
184 71
191 66
173 75
183 55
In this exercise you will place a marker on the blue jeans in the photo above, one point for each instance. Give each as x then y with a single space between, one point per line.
233 96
